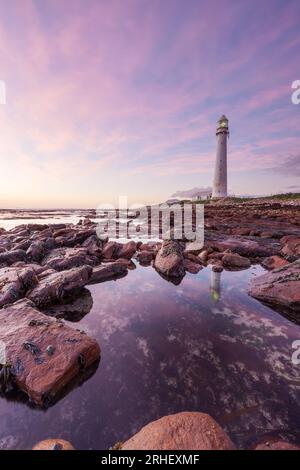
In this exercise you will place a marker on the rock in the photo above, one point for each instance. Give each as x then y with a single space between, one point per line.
280 287
118 250
203 256
276 445
27 334
56 286
274 262
192 267
14 283
169 259
217 267
235 261
93 245
72 309
127 250
145 257
36 251
108 271
194 247
10 257
244 247
110 249
181 431
291 247
53 444
67 258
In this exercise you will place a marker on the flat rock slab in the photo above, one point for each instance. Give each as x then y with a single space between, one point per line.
57 286
181 431
108 271
280 287
44 353
14 282
61 259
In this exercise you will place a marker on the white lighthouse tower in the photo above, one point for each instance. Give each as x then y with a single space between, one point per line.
220 178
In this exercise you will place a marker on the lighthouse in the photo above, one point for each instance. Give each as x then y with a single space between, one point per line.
220 178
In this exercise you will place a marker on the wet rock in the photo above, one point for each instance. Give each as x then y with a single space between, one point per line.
181 431
10 257
274 262
53 444
108 271
169 260
14 283
280 287
235 261
67 258
27 333
59 285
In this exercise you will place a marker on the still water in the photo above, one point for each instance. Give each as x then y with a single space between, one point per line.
203 345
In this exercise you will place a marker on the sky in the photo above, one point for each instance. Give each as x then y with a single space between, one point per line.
121 97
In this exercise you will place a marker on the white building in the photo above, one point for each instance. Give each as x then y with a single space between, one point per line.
220 177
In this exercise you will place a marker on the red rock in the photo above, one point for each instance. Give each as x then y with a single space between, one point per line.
53 444
274 262
291 247
108 271
127 250
61 259
59 285
181 431
36 251
44 353
235 261
14 283
280 287
169 259
110 249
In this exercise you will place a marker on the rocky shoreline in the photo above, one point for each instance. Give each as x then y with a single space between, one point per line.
45 267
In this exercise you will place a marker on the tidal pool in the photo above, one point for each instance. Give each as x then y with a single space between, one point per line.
203 345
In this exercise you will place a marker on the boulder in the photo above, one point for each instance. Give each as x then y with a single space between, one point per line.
44 354
235 261
169 259
14 283
53 444
280 287
59 285
181 431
